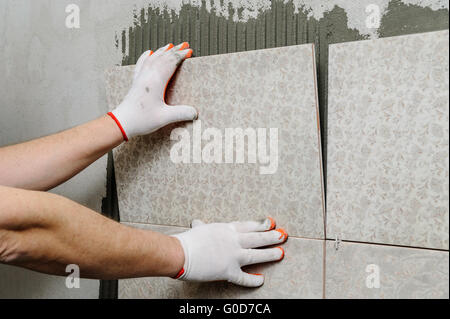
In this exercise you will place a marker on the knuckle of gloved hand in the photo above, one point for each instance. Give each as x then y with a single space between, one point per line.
166 59
178 58
148 63
173 59
143 76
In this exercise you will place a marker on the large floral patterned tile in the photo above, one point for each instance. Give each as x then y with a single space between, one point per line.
388 141
378 271
299 275
270 96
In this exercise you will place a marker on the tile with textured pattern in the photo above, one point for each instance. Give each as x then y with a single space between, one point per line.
402 272
299 275
388 142
272 88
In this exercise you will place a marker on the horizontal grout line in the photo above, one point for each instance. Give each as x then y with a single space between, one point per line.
384 244
308 238
185 227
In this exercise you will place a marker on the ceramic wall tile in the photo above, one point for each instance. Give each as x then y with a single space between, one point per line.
299 275
271 89
388 141
352 270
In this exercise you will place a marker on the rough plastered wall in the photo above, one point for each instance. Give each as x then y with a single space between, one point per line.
52 77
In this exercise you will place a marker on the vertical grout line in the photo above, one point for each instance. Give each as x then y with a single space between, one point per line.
319 144
322 53
319 141
324 270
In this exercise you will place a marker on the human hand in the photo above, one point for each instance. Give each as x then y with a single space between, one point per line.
216 252
144 110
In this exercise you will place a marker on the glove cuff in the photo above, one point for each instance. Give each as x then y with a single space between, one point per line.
184 271
181 273
125 137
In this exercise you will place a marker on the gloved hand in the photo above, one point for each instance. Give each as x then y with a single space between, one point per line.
216 252
144 110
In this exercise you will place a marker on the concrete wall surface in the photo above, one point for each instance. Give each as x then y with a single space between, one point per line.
52 79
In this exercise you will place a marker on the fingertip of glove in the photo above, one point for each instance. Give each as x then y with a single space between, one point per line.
189 54
282 253
169 46
196 114
258 280
284 236
272 223
184 46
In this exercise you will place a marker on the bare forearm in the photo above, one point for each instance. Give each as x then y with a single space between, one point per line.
46 232
44 163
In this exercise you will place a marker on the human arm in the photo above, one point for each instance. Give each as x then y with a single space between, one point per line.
46 232
44 163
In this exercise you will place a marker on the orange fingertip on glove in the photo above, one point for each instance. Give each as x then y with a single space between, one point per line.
184 46
170 46
283 233
282 253
272 223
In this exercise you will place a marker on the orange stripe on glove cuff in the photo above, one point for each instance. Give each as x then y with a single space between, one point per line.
125 137
179 274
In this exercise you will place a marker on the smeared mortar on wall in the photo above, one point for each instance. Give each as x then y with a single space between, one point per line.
407 19
245 10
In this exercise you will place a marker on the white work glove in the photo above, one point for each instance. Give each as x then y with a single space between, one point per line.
216 252
143 110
